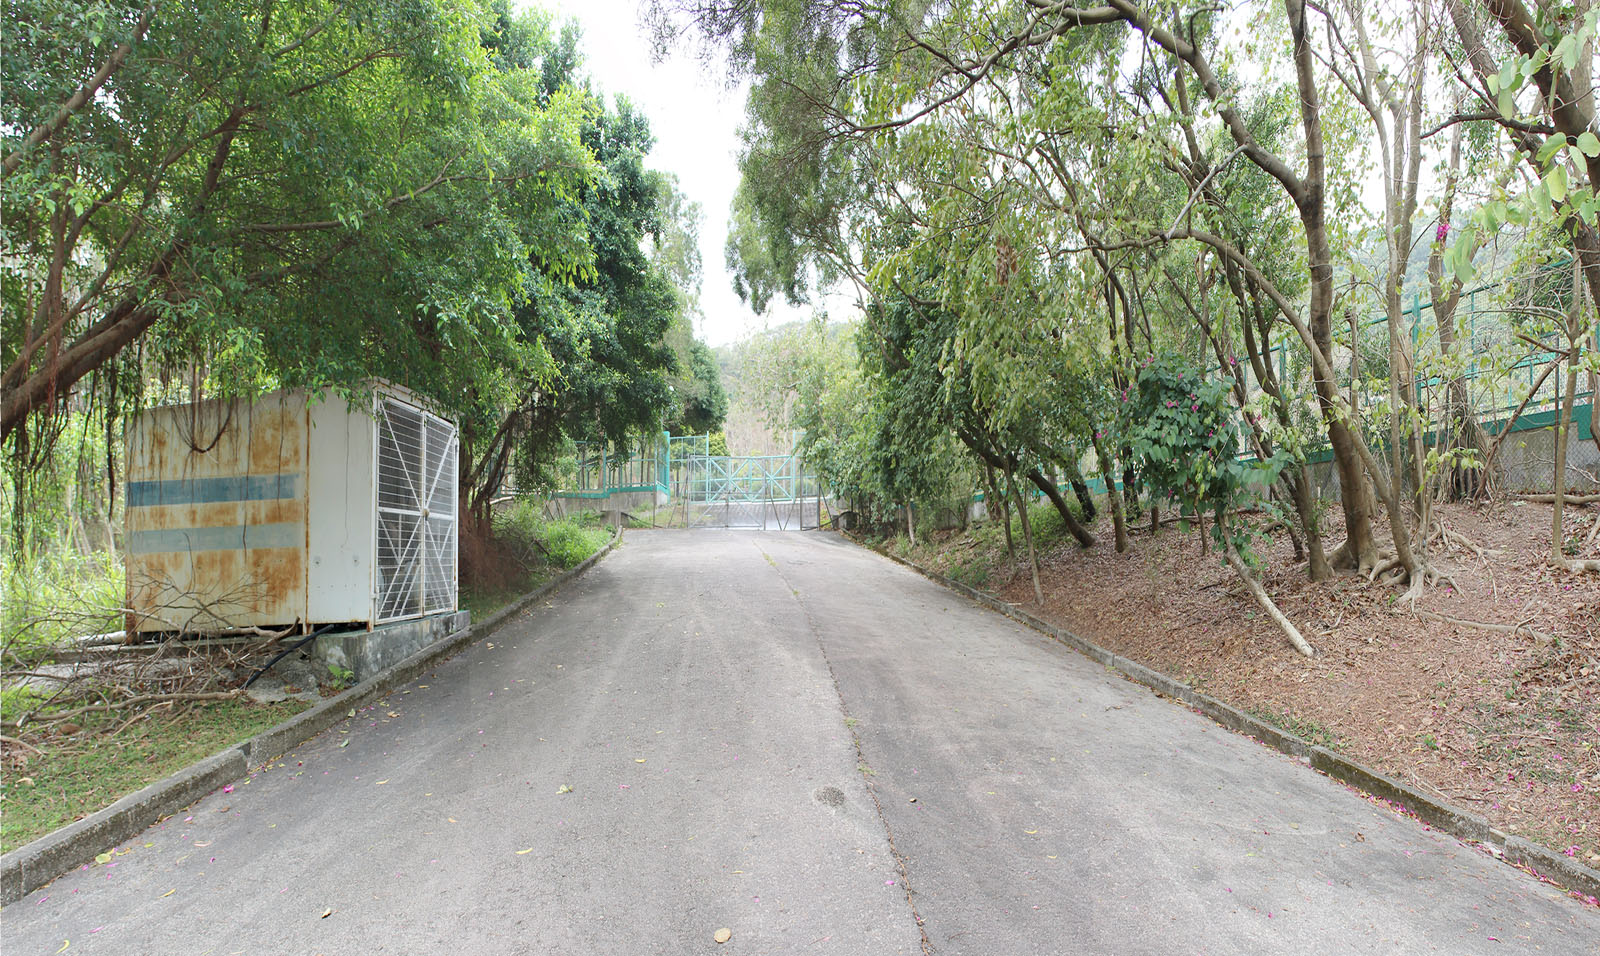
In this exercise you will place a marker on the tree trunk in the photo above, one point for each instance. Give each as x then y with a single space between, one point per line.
1359 550
1027 536
993 498
1119 521
1576 333
1461 429
1080 490
1077 530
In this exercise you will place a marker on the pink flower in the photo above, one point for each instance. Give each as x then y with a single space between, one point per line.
1195 407
1172 404
1443 230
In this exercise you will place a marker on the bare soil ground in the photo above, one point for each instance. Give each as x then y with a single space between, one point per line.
1504 724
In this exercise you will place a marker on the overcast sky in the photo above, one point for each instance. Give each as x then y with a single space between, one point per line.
695 118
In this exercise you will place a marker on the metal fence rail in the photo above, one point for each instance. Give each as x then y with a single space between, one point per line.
706 490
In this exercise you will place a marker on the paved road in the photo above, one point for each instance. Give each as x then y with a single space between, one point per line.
796 739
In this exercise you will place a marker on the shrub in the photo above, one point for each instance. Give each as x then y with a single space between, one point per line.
532 538
60 596
568 543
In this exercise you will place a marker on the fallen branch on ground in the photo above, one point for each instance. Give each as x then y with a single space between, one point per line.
14 742
1571 499
1265 600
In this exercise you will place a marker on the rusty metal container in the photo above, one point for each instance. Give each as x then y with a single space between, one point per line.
297 509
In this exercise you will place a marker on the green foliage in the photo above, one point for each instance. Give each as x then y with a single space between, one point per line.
314 197
570 543
55 500
699 402
1048 528
1183 438
58 595
563 543
341 677
623 358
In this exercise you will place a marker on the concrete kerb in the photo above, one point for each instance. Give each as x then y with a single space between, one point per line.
29 867
1470 828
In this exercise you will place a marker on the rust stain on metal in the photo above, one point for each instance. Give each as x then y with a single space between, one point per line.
214 492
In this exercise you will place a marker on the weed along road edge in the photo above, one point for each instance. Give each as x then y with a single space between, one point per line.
797 740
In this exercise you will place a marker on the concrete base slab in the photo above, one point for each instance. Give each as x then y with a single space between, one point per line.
368 652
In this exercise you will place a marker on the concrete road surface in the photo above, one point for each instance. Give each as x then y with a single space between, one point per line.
795 739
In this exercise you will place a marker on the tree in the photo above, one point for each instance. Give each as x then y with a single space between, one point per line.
1180 428
619 361
277 185
1551 53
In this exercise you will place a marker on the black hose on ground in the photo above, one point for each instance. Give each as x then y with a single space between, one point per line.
290 650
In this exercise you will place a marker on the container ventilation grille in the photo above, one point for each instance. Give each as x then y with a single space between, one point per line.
416 513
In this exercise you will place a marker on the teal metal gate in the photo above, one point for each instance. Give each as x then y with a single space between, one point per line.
773 492
678 482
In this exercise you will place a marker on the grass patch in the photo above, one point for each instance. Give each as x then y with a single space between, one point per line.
973 573
60 787
1306 729
482 602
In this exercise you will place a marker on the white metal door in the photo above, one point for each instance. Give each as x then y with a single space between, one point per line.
416 560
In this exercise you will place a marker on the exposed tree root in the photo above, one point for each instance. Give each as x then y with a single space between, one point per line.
1427 576
1567 564
1451 538
1537 635
1386 562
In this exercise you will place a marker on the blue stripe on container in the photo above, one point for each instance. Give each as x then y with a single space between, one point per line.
225 538
199 491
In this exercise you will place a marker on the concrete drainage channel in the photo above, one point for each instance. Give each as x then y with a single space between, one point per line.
1469 828
27 868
